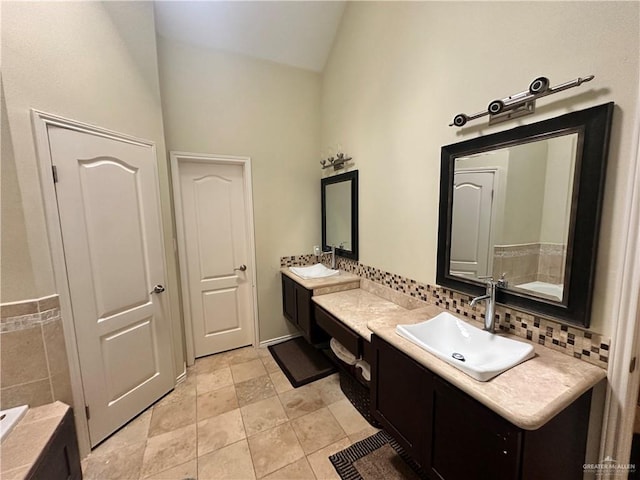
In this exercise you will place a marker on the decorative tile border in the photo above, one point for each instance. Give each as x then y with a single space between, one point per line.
582 344
29 313
298 260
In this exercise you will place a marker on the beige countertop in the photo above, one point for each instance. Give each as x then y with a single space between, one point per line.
528 395
23 446
355 308
323 286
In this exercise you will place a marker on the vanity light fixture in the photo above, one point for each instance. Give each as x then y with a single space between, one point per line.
336 162
519 104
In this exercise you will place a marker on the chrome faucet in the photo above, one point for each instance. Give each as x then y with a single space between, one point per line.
490 297
333 256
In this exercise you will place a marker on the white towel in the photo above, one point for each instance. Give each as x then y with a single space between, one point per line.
366 369
342 353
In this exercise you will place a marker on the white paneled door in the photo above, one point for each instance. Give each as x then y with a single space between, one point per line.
471 245
108 205
213 216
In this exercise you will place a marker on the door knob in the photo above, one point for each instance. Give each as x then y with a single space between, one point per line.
242 268
157 289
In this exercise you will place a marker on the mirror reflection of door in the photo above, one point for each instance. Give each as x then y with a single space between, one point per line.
529 226
473 210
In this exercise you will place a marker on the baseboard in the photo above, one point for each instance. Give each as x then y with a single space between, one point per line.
182 377
274 341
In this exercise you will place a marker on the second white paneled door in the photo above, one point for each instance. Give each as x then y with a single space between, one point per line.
213 215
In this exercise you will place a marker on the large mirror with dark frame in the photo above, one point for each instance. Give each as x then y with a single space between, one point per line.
523 206
339 196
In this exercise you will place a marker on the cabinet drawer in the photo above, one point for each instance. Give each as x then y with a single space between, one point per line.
347 337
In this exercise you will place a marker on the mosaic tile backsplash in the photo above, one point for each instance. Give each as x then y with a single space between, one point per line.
582 344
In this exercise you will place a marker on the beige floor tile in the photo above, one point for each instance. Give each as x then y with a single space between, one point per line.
317 430
211 363
300 470
273 449
280 382
348 417
241 355
220 431
181 472
263 352
207 382
301 401
245 371
169 450
270 364
319 461
185 389
255 390
168 417
231 462
136 431
214 403
329 389
122 463
263 415
362 434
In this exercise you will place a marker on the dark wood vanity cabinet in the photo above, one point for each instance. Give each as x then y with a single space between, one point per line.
401 393
454 437
297 307
469 440
60 459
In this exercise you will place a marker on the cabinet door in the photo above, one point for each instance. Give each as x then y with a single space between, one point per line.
289 299
401 394
469 440
303 310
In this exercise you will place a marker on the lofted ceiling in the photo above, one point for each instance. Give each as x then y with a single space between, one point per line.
296 33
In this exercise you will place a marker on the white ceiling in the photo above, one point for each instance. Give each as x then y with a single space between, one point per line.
296 33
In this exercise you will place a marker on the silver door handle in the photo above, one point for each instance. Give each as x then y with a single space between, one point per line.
242 268
157 289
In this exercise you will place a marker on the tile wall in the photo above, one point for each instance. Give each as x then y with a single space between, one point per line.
543 262
582 344
33 357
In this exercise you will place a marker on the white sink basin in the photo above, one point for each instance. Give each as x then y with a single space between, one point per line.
477 353
314 271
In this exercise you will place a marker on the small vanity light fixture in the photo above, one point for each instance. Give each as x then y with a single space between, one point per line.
336 162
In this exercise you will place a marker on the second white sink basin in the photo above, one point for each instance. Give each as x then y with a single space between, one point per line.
314 271
478 353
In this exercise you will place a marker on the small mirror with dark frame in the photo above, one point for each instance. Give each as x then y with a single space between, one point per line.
339 196
524 206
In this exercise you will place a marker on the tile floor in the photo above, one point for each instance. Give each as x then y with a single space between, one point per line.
236 416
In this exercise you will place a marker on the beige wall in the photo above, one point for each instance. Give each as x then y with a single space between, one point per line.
17 276
219 103
400 71
524 194
558 189
87 61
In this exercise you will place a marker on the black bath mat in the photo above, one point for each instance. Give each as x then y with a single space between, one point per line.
301 362
375 457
